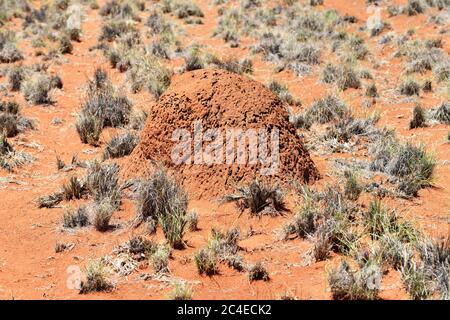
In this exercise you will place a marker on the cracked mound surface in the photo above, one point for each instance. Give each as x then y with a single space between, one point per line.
219 99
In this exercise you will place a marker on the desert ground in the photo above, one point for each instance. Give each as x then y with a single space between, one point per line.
92 205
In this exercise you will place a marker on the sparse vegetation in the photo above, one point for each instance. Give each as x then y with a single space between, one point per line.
418 118
103 107
259 197
161 199
120 146
257 272
96 279
181 291
363 284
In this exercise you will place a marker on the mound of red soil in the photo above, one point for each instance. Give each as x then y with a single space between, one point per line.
220 100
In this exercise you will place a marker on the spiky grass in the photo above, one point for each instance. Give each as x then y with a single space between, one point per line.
418 118
206 262
75 219
96 279
120 146
257 272
259 197
161 199
363 284
181 291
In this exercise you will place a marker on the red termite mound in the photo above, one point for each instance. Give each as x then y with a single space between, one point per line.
224 101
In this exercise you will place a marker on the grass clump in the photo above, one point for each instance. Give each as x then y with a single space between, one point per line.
147 72
282 92
36 89
222 247
11 122
326 109
192 220
8 49
161 200
206 262
259 197
181 291
257 272
74 189
352 188
182 8
102 182
410 167
380 221
120 146
441 114
75 219
104 210
96 279
418 118
363 284
413 7
305 222
9 158
103 107
409 88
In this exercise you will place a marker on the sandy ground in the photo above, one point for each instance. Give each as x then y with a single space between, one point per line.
29 266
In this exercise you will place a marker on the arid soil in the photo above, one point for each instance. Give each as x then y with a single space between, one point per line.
31 269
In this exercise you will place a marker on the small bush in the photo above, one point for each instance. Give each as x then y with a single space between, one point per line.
348 78
75 219
371 90
149 73
257 272
102 182
418 118
441 113
326 109
192 220
113 29
242 66
50 201
160 259
103 214
193 60
8 49
305 222
103 107
435 256
181 291
65 46
413 7
352 188
36 89
182 8
15 77
260 198
120 146
363 284
89 128
206 262
415 281
442 71
74 189
282 92
409 88
9 158
96 279
380 221
161 199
